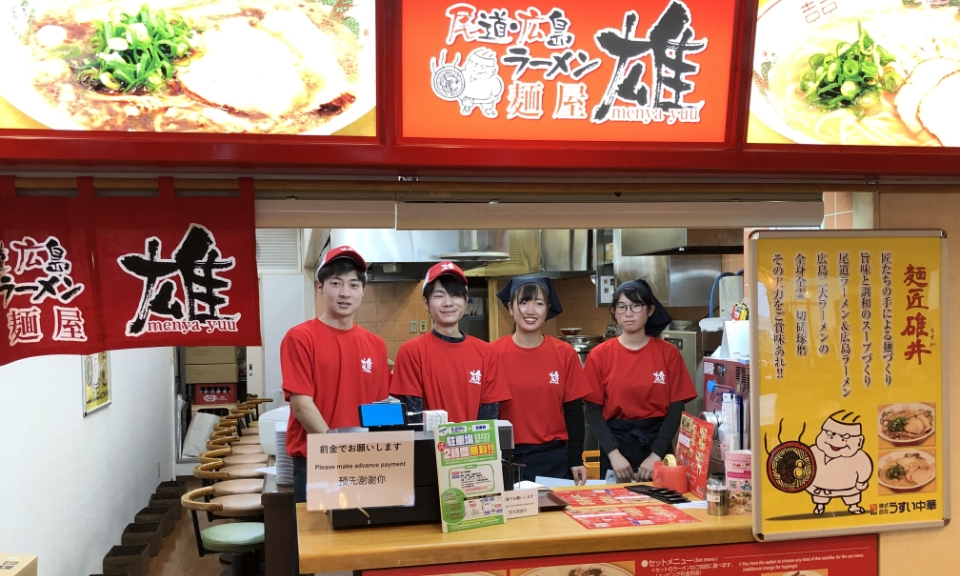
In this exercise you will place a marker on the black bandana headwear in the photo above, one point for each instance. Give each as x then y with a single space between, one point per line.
506 293
660 319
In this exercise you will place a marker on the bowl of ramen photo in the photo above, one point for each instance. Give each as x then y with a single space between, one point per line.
906 470
167 66
857 72
907 424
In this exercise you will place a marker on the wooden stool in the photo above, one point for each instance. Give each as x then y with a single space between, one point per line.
242 471
241 486
247 449
243 540
235 459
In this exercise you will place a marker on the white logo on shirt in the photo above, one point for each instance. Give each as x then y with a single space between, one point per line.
555 377
366 364
659 378
475 377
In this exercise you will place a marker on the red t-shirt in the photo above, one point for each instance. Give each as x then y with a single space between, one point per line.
637 384
454 376
340 369
541 380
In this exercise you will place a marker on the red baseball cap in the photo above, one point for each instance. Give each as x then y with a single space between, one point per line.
343 252
444 269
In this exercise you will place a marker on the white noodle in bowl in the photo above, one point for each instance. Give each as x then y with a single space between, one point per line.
907 424
784 44
917 468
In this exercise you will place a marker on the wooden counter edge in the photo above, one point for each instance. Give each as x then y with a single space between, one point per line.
424 545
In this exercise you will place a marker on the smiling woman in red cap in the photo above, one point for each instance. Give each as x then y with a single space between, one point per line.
446 369
546 385
331 366
639 386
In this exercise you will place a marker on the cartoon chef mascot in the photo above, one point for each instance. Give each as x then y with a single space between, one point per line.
483 85
843 469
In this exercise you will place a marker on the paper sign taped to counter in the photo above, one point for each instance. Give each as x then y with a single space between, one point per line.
359 470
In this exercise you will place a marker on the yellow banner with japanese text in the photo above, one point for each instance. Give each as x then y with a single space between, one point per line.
848 411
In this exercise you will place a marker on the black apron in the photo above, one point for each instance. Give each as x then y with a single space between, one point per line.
635 438
547 459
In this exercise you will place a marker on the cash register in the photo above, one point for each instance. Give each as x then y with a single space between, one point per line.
426 508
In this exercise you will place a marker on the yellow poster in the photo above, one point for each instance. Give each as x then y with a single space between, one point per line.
96 382
848 406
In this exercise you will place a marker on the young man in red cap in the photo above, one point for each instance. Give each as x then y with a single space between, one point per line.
446 369
331 366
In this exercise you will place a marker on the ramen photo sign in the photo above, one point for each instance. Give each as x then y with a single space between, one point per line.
566 70
848 396
221 66
856 72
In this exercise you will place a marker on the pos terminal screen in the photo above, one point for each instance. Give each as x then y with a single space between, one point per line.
376 415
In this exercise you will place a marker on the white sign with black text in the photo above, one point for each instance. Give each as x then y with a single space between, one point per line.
520 503
359 470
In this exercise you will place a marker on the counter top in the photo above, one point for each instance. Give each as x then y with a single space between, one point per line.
323 549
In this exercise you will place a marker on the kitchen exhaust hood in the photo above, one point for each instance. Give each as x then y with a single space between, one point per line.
678 241
399 255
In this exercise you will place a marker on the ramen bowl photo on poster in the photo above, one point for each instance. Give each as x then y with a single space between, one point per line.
218 66
856 72
907 470
910 424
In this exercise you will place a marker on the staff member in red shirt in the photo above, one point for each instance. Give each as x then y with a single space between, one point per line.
331 366
639 385
546 385
446 369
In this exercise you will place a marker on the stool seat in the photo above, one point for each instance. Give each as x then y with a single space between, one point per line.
233 537
254 424
235 459
243 471
248 441
250 432
239 505
248 449
241 486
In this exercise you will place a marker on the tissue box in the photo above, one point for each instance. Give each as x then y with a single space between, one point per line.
18 565
739 484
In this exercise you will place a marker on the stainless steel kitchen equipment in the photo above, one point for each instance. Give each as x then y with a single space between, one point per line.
582 344
394 255
686 337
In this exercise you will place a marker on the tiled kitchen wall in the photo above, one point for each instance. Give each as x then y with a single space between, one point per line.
387 310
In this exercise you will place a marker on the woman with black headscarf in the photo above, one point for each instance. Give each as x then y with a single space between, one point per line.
639 385
546 385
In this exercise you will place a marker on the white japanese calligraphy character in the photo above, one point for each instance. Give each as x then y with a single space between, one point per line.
525 100
69 325
23 325
571 101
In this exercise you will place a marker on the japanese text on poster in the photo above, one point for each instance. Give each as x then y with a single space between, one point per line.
846 556
470 476
694 443
849 425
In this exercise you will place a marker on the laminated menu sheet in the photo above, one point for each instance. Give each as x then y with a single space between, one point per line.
630 516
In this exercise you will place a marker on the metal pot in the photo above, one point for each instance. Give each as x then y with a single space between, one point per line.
583 344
